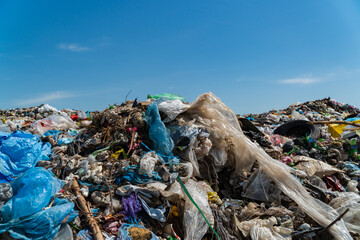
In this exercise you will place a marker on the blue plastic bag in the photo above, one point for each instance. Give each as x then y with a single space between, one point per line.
61 141
23 215
158 133
19 152
42 225
31 193
133 176
64 141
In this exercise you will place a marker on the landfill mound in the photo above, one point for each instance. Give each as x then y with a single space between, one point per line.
167 169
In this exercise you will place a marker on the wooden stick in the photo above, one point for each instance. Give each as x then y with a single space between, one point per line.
132 142
335 122
93 225
351 129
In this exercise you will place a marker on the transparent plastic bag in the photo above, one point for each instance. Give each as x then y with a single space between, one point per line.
297 116
351 201
60 122
225 133
195 224
262 189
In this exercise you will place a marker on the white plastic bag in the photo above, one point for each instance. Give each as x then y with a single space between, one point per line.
297 116
172 108
53 122
195 224
147 163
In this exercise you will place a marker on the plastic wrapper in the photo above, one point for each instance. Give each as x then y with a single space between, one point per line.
260 229
147 163
160 213
19 152
315 167
352 186
264 233
132 175
225 133
351 201
65 141
59 122
158 133
262 189
195 224
297 116
183 135
172 108
203 148
220 157
4 127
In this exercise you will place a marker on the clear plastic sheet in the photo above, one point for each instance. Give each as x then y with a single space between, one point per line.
225 133
195 224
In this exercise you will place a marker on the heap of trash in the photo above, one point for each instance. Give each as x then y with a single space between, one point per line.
167 169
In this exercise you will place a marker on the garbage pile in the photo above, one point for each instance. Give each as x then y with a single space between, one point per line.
167 169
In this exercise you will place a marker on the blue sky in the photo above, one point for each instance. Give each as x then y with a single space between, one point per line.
254 55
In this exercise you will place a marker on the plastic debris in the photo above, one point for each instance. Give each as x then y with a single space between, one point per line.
165 169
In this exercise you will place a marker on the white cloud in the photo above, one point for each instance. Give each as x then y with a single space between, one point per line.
73 47
45 98
303 81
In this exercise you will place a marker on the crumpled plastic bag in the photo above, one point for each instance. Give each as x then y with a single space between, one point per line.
32 192
4 127
172 108
261 188
27 215
42 225
260 229
86 234
297 116
195 224
47 108
225 133
59 122
158 133
351 201
315 167
19 152
147 163
169 96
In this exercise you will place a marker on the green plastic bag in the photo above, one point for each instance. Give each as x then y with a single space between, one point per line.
168 96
